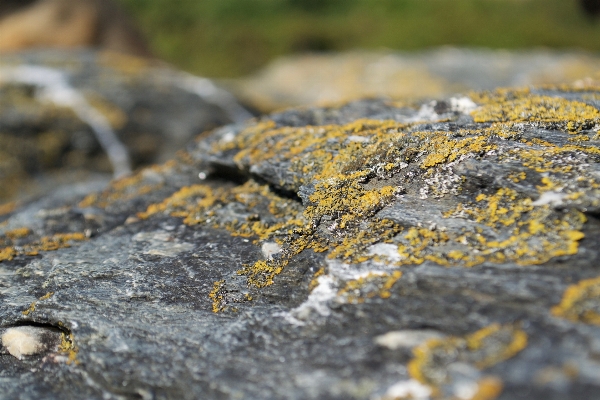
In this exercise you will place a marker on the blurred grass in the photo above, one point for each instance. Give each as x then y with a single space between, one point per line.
228 38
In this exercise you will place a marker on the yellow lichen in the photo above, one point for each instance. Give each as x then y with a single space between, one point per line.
262 272
369 286
521 106
130 187
217 297
30 309
581 302
343 185
482 349
530 235
47 296
488 388
68 346
46 243
7 253
315 280
18 233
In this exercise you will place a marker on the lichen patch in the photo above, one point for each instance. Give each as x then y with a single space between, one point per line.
580 302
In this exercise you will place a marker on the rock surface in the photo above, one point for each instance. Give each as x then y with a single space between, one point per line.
330 78
81 112
365 251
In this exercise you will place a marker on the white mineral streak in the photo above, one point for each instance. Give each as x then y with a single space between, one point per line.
358 139
317 301
23 341
406 338
463 105
409 389
326 291
53 86
386 250
160 243
209 92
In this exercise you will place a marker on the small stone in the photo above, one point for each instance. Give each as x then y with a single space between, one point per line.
407 338
29 340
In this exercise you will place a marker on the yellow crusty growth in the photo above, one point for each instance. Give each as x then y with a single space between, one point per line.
46 243
29 310
344 173
482 349
521 106
18 233
217 296
369 286
530 234
68 346
581 302
130 187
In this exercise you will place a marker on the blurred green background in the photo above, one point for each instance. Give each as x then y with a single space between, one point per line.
230 38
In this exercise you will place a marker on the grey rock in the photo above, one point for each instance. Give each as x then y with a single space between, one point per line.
269 259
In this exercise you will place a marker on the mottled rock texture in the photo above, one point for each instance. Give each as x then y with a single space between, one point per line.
367 251
52 103
330 78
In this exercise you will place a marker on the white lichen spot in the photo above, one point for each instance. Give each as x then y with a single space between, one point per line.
406 338
269 249
27 340
552 198
228 137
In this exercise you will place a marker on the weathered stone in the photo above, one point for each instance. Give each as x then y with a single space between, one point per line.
332 78
85 112
299 255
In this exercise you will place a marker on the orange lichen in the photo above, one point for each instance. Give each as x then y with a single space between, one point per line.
580 302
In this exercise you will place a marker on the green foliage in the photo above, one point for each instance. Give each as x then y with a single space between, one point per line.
225 38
